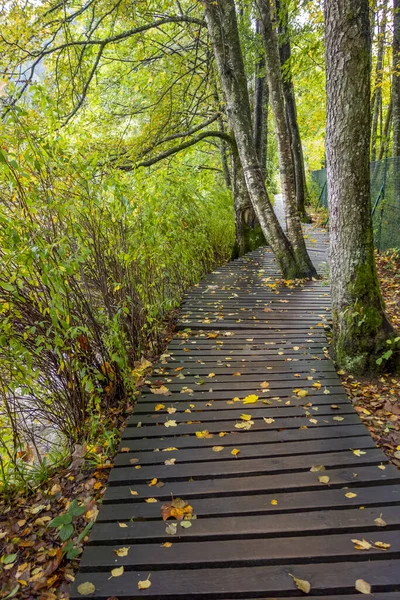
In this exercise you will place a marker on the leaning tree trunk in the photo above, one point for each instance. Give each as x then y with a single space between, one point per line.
377 95
360 327
291 110
396 79
222 28
260 113
286 164
249 235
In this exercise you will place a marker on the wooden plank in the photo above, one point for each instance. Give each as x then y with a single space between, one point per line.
253 484
321 499
197 454
383 575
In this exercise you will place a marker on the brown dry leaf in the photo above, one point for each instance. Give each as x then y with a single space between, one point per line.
162 390
177 509
117 572
144 585
302 584
84 589
203 434
122 551
235 451
361 544
324 479
217 448
125 449
363 586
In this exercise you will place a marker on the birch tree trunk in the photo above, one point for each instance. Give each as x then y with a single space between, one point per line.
221 22
286 164
360 327
291 109
260 119
377 95
396 79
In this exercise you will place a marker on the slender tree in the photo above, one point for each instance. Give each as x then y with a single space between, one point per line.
261 101
360 327
377 93
286 163
222 27
285 54
396 78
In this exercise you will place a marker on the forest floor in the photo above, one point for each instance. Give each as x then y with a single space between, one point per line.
34 562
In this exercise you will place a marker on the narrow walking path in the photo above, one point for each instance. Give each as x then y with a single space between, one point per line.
246 421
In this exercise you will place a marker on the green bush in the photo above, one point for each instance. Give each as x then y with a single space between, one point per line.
92 262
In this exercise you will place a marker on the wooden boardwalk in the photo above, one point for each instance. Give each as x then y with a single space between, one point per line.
284 497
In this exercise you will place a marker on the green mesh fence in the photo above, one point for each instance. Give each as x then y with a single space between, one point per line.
385 198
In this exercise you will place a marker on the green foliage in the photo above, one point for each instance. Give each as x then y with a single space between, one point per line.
92 262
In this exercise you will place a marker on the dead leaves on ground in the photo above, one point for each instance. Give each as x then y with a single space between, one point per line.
176 509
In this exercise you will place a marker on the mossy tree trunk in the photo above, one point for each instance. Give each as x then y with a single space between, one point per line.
222 27
286 164
360 327
249 235
285 53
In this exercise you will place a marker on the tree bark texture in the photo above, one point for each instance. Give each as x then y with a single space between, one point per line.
221 22
360 327
286 163
260 113
291 110
249 235
396 79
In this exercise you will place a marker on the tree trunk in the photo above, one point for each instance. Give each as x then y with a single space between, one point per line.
286 164
396 79
222 28
249 235
261 100
384 147
360 327
377 95
291 110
